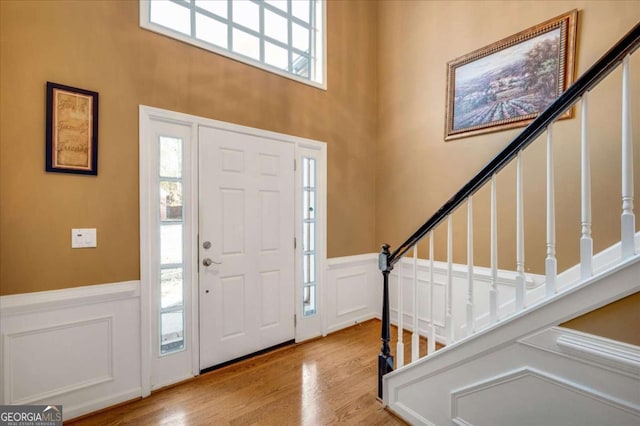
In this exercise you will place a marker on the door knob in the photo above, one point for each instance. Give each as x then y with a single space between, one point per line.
208 262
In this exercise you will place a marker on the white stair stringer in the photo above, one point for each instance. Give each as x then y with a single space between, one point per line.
527 371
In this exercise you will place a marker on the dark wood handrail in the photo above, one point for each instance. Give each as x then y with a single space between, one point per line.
607 63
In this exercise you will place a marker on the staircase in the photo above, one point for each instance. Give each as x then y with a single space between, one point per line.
507 360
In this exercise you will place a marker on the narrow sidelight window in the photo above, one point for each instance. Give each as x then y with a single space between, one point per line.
171 236
309 262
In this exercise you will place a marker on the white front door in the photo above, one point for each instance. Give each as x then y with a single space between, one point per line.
246 244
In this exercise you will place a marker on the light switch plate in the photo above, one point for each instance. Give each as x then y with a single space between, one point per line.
84 238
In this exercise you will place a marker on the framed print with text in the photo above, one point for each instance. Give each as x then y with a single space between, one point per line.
71 130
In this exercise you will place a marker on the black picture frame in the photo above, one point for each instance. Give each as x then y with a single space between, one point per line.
71 130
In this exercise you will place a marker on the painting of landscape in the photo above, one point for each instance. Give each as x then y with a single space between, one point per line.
509 84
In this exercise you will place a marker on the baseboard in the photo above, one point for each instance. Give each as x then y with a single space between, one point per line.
90 407
346 324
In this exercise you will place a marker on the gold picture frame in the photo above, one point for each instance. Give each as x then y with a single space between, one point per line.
71 130
508 83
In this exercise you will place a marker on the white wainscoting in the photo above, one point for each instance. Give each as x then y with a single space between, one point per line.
593 379
353 292
79 347
403 272
533 397
528 370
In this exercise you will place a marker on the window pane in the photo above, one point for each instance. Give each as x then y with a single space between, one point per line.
171 331
276 56
170 287
300 37
246 44
312 236
170 157
246 13
305 171
275 26
309 301
170 15
170 244
312 268
300 66
219 7
300 9
280 4
306 294
170 201
305 268
305 236
211 31
312 172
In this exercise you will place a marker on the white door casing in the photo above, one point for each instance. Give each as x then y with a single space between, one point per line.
246 213
175 368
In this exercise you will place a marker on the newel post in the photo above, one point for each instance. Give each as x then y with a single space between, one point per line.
385 359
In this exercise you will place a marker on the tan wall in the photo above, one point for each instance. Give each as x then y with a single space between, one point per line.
392 56
617 321
98 45
418 171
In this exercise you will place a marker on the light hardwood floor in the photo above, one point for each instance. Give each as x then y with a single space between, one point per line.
332 380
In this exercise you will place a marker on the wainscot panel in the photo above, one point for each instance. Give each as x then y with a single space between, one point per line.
78 347
351 295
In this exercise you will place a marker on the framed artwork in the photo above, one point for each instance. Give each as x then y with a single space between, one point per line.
508 83
72 130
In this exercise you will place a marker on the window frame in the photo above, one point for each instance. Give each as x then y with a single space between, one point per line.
146 23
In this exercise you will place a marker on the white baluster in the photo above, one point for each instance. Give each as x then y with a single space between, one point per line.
432 329
470 328
586 242
449 316
520 278
400 343
415 337
550 262
493 292
628 221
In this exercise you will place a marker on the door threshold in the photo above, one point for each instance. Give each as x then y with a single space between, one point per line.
245 357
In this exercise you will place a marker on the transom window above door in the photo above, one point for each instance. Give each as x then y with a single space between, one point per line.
286 37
